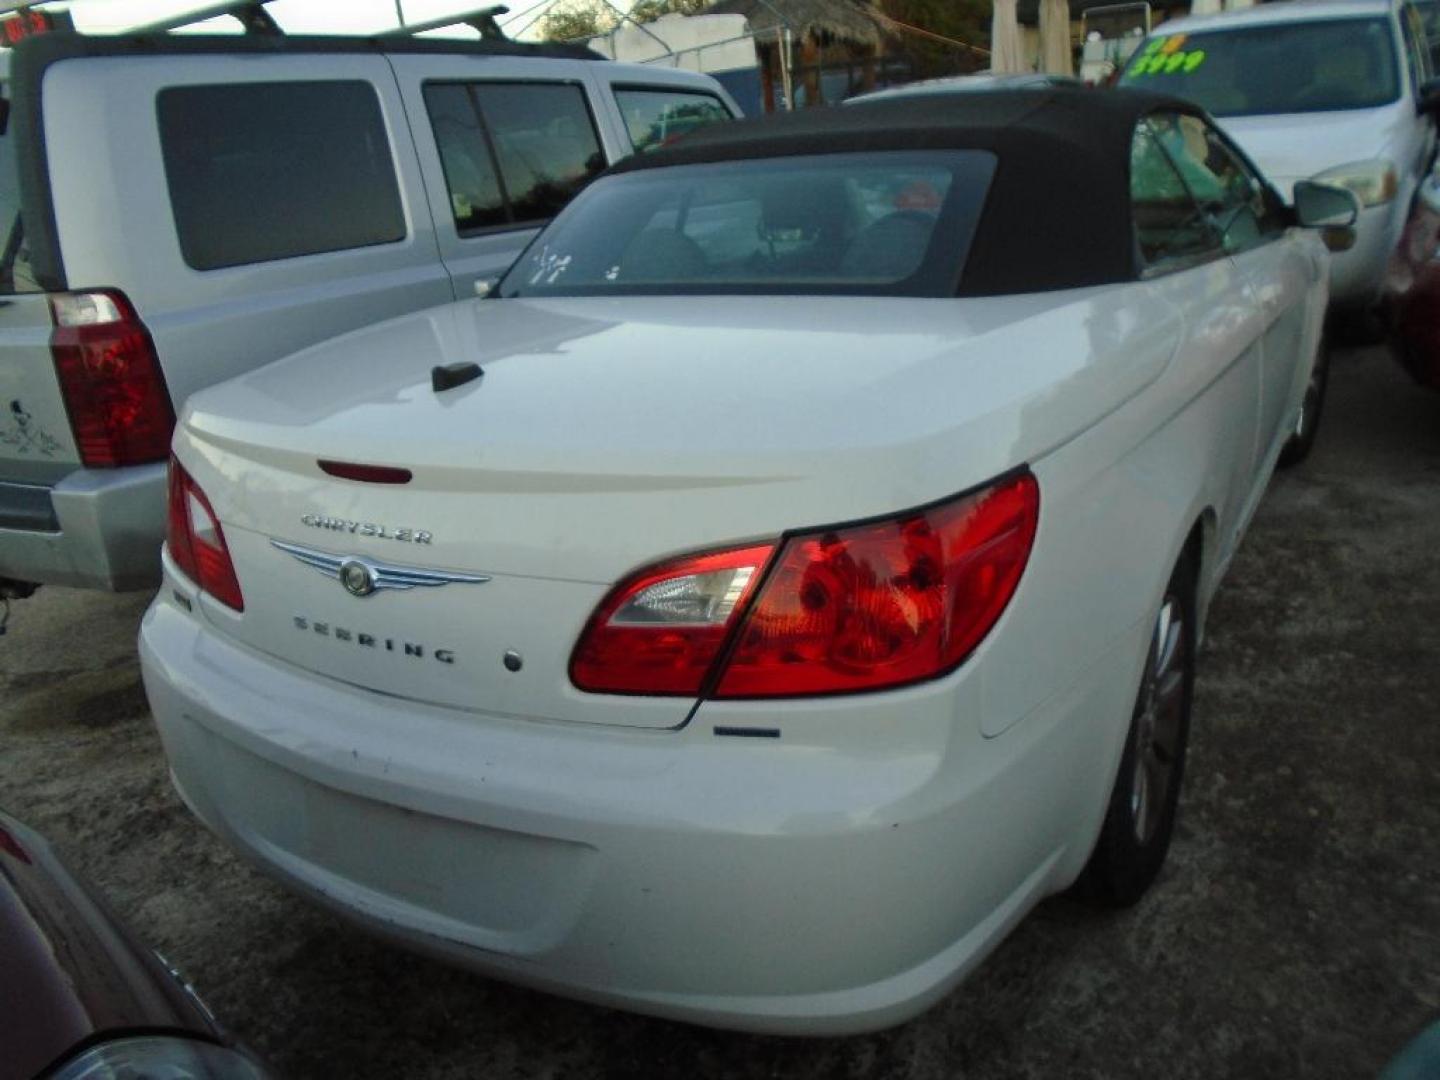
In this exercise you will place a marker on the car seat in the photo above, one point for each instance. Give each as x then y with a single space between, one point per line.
891 248
662 255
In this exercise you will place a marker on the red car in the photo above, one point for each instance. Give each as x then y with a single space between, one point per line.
79 997
1412 289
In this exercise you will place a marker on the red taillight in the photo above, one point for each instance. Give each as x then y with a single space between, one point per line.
660 631
110 377
177 523
196 542
886 603
861 607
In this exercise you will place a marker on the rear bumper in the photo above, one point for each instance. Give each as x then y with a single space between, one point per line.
840 878
96 528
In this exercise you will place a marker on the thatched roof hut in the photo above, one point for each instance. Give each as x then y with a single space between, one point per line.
825 31
845 21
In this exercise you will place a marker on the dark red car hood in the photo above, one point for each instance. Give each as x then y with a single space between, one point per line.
69 971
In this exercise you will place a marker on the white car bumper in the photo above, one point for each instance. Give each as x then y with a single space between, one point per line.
839 878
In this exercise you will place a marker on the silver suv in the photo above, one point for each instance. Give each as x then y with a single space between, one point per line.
176 210
1339 90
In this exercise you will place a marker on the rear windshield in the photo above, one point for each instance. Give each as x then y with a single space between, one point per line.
1319 66
880 223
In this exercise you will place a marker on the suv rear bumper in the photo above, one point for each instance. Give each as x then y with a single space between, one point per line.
97 529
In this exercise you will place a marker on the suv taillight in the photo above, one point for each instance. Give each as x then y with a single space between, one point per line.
196 542
855 608
110 377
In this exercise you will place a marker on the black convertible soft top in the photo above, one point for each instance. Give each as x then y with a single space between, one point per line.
1058 212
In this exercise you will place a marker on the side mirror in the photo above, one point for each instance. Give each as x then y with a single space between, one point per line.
1427 98
1324 206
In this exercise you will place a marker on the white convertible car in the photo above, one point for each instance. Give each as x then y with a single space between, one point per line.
787 577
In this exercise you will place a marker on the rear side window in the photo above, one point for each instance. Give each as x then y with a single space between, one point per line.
655 117
513 153
476 199
264 171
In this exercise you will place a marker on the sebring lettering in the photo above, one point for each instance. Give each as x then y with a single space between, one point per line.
367 528
370 641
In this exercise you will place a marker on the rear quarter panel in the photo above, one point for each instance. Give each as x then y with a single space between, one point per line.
1119 499
1118 503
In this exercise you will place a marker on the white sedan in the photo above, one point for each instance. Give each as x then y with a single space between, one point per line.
790 575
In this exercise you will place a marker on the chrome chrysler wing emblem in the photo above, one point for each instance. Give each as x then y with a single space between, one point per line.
362 576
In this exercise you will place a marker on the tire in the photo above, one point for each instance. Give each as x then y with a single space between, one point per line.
1302 439
1141 813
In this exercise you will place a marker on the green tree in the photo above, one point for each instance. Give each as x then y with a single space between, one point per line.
577 19
649 10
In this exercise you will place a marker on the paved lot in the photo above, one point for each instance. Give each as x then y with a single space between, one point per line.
1296 930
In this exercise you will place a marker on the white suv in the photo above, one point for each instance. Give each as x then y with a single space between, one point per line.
175 210
1338 90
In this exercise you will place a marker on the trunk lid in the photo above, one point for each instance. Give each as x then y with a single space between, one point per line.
604 436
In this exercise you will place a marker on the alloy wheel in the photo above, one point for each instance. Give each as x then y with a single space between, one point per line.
1159 716
1309 406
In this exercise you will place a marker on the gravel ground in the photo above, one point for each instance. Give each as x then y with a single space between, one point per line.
1295 931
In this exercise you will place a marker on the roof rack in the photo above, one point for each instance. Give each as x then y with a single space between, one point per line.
482 19
250 14
253 17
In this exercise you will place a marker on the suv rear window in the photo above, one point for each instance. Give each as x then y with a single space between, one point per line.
264 171
890 223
